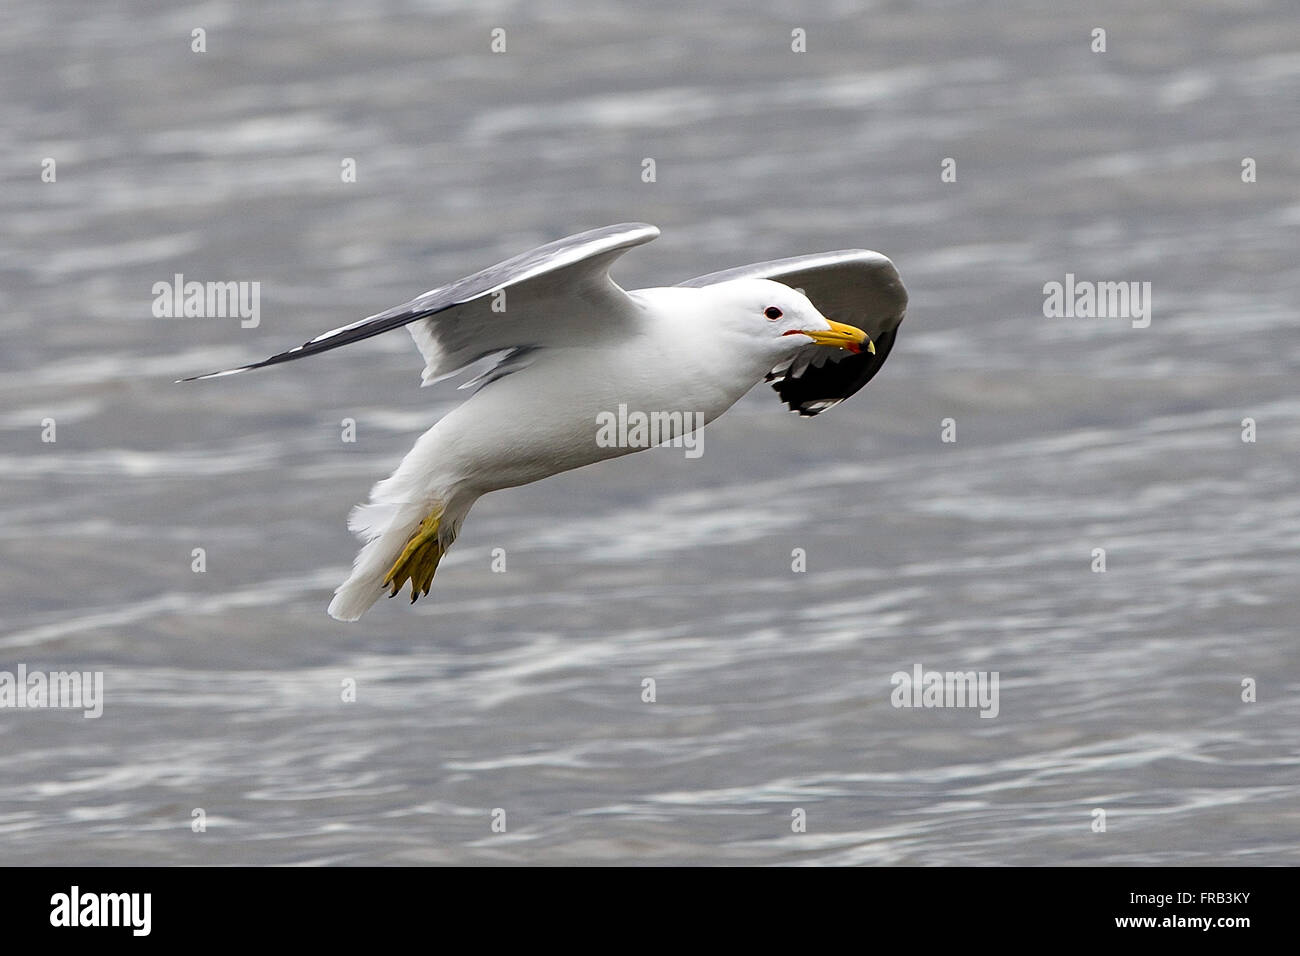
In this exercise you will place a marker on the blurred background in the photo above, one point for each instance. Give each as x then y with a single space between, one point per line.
522 690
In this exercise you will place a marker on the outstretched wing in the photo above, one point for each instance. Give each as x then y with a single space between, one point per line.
548 296
855 286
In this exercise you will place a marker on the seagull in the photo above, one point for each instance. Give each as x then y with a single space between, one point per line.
564 348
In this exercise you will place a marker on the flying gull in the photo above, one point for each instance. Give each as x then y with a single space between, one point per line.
566 347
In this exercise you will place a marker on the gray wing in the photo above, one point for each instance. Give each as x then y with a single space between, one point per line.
455 325
855 286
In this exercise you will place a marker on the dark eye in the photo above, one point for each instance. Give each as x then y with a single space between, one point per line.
772 312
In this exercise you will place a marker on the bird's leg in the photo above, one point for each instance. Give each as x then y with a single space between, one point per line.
418 560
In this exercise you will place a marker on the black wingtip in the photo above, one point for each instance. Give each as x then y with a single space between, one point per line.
224 372
823 387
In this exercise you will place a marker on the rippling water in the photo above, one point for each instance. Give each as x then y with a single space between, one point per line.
1119 690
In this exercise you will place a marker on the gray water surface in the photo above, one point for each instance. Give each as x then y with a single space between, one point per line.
522 690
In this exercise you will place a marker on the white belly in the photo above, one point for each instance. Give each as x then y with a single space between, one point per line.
574 407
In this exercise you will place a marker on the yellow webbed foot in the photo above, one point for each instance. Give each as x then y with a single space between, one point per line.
418 560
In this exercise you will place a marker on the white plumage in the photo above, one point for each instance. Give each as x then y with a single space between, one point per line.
570 345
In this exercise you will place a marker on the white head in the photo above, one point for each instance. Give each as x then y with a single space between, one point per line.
777 319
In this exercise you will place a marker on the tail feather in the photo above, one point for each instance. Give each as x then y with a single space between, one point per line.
418 501
384 544
370 520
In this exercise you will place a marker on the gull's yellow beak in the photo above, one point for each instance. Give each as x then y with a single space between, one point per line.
840 336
